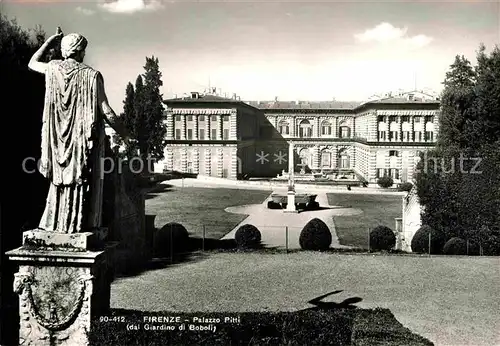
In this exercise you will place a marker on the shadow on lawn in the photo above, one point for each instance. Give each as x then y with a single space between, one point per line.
195 250
345 304
157 190
191 252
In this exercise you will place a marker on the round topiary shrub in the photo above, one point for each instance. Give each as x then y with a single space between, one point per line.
385 182
420 241
315 236
405 186
455 246
171 238
248 237
382 238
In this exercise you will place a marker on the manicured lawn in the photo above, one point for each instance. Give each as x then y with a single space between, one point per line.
377 210
195 207
449 300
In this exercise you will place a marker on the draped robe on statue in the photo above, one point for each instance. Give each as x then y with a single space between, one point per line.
72 147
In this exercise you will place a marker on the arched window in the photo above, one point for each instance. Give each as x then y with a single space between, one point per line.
304 159
345 132
344 159
326 159
283 127
305 129
326 128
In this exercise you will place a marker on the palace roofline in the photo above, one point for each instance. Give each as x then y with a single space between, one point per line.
350 106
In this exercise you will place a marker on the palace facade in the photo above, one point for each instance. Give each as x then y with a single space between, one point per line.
228 138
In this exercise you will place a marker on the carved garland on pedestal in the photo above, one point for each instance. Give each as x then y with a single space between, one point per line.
22 286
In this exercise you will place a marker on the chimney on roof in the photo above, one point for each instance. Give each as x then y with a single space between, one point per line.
175 96
195 95
275 98
234 96
239 98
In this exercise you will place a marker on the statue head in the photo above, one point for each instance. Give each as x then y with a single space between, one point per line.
73 46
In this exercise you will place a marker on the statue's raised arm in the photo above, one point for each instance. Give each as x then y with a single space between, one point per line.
35 62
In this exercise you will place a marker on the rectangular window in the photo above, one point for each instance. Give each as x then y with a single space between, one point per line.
226 134
326 130
202 134
190 117
380 119
177 133
392 118
417 119
393 153
201 117
214 133
325 159
406 136
429 135
380 172
190 134
177 117
394 135
381 135
225 117
405 119
214 117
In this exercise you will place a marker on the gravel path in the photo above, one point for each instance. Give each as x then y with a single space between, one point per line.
273 223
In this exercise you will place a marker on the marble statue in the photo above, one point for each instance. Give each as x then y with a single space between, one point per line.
73 136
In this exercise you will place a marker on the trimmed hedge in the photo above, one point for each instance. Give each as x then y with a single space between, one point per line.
385 182
171 238
382 238
248 237
405 187
455 246
315 236
420 241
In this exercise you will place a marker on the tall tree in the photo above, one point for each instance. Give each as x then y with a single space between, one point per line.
139 122
143 110
456 101
128 117
484 129
464 199
154 143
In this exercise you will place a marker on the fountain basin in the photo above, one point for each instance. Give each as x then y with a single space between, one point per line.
299 198
302 201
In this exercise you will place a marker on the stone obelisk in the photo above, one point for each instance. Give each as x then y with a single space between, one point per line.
290 205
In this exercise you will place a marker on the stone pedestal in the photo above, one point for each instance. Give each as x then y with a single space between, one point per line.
63 284
290 204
